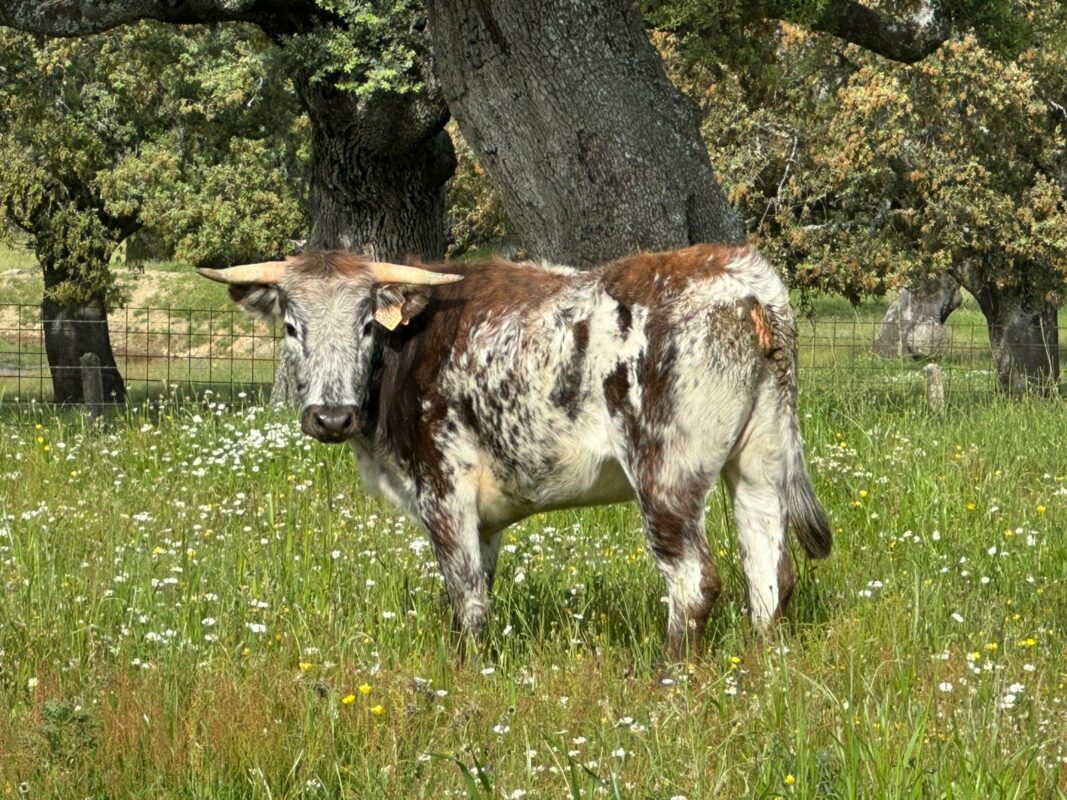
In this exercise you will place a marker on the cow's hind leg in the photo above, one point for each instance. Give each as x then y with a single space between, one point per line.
674 524
756 476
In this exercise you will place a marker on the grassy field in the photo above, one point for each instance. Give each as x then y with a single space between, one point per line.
197 602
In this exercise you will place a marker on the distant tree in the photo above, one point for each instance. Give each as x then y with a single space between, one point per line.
99 134
958 170
864 174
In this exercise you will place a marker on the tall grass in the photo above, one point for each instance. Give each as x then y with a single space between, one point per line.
198 602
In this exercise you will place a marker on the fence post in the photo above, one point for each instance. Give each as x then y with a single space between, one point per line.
935 387
92 385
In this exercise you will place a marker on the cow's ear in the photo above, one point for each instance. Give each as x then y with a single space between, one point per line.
263 300
398 303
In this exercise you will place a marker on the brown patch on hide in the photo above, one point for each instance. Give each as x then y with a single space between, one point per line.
329 263
616 387
651 278
568 389
489 289
786 579
764 334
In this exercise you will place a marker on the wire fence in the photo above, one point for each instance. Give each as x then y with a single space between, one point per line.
182 353
187 354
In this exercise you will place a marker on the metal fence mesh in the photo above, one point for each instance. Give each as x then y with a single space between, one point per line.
178 351
187 353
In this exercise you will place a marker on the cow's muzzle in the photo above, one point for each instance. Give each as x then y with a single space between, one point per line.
329 424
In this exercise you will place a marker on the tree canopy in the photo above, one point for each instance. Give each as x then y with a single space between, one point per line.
178 129
860 172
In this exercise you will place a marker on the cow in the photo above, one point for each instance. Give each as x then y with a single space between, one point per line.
476 394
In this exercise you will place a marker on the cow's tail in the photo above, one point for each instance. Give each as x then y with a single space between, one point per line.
776 328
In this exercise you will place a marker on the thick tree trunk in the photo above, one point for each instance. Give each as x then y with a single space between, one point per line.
378 171
1024 337
70 333
914 325
567 106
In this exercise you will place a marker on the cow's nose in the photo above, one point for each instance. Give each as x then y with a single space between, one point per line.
329 423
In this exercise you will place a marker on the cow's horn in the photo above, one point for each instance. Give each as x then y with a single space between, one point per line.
266 272
395 273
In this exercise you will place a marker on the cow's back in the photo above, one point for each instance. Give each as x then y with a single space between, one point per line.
541 381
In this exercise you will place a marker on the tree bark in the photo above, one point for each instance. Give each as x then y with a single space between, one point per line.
78 17
914 325
906 38
378 170
1023 336
568 107
70 333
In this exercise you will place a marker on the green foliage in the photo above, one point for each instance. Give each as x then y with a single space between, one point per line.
948 164
1005 27
717 35
222 212
147 124
858 173
225 183
724 29
475 213
373 46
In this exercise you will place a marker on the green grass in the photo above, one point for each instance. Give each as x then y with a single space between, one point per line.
139 560
15 257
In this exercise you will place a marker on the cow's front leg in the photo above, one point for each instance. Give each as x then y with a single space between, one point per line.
454 535
490 546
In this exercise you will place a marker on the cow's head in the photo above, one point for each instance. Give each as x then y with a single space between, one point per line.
334 304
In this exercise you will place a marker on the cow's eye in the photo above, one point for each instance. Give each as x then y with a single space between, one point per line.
290 329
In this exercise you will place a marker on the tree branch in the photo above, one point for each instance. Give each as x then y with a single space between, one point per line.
907 39
81 17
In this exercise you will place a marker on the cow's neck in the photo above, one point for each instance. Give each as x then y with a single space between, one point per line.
369 410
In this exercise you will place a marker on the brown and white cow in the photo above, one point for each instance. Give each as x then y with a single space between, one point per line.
474 395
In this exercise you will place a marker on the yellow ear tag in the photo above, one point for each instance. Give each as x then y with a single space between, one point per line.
389 316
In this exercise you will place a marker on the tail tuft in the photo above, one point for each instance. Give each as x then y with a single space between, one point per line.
806 515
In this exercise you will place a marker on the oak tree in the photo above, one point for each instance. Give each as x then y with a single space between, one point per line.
94 131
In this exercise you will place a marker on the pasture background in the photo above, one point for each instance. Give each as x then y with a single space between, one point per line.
179 335
196 601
